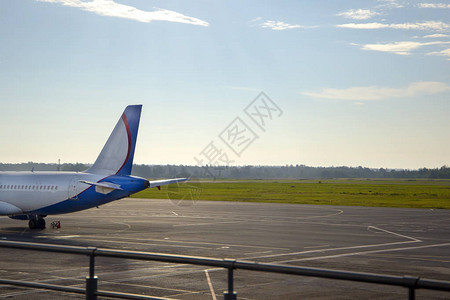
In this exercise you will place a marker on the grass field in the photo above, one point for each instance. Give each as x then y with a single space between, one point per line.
356 192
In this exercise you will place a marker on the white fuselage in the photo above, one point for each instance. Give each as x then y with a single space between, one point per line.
29 191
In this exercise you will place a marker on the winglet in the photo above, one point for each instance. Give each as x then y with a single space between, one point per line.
117 155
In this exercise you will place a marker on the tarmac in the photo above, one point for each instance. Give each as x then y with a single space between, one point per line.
392 241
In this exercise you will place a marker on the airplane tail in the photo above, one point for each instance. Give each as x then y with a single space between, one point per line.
116 157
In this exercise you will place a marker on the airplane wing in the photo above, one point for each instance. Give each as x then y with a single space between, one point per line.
158 183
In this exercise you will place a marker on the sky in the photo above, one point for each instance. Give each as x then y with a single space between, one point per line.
318 83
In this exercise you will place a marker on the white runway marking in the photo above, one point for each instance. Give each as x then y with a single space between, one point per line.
332 249
322 246
410 240
210 223
146 244
167 242
213 294
362 253
397 234
259 252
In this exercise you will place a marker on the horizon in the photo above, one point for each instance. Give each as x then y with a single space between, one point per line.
232 166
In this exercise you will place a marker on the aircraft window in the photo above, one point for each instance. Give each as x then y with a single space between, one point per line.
22 187
40 187
56 187
1 186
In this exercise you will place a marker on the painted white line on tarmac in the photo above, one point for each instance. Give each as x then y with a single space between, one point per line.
332 249
410 240
133 241
397 234
213 294
362 253
209 223
145 244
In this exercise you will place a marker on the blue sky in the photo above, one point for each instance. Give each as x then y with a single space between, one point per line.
356 82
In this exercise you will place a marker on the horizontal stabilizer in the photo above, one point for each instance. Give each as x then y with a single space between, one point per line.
103 187
156 183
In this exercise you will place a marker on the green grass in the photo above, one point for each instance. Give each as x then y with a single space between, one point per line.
356 192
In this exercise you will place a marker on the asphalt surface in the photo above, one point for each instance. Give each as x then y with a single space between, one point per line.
390 241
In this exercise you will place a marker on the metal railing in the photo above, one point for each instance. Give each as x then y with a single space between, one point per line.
91 291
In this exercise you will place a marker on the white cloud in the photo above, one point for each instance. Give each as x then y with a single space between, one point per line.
437 35
278 25
429 25
370 93
358 14
433 5
445 52
401 48
112 9
389 4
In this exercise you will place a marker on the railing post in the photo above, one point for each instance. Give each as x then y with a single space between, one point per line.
91 280
411 284
230 295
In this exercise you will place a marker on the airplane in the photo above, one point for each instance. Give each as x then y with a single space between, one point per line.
34 195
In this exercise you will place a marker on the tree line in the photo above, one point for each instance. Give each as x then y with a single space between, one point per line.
247 172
